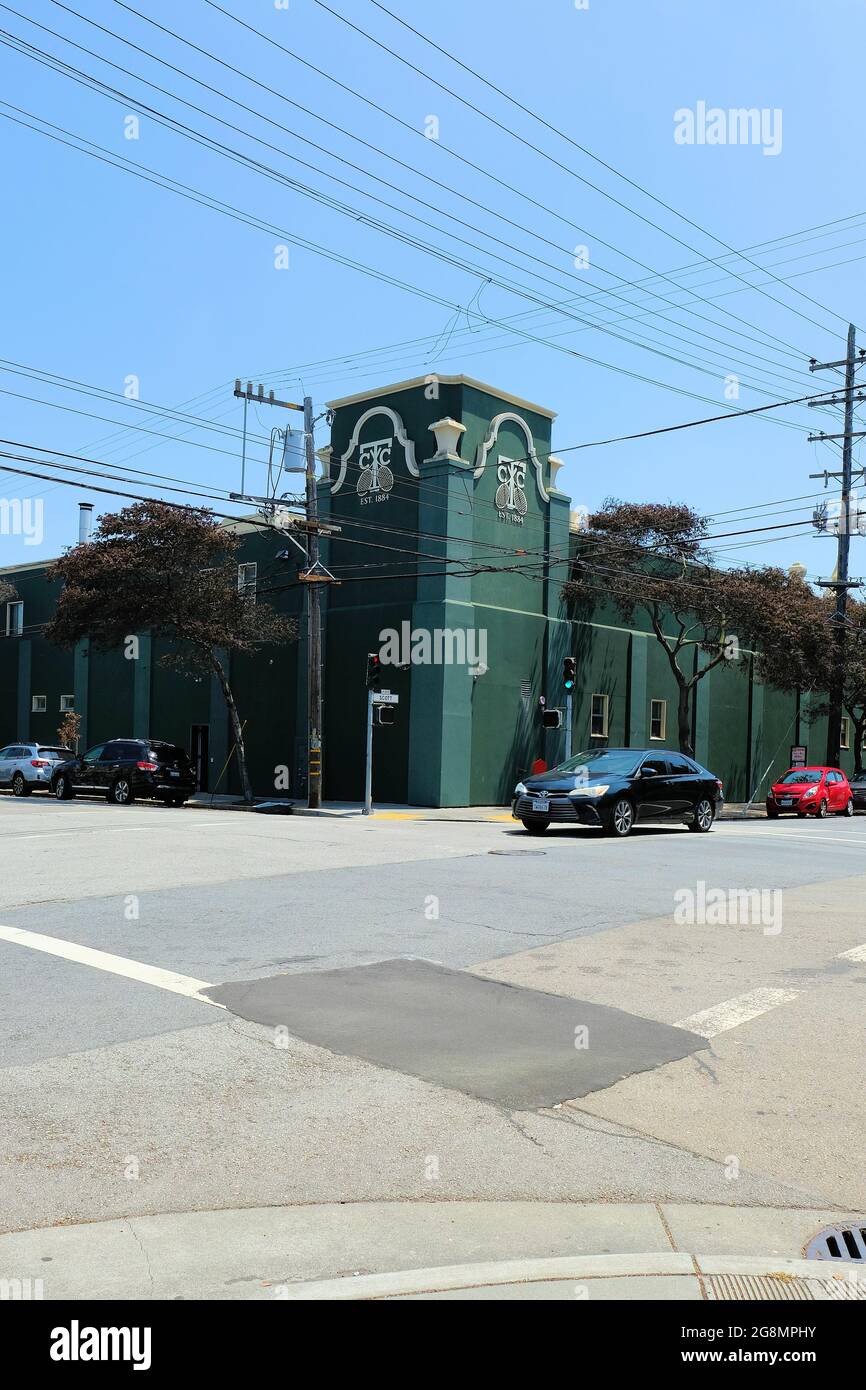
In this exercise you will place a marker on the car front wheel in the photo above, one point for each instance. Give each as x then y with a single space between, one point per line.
621 822
19 786
703 817
120 793
536 827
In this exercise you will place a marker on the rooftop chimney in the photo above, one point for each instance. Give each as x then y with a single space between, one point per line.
85 521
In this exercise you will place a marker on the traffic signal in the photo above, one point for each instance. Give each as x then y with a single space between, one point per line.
374 671
551 719
568 673
385 714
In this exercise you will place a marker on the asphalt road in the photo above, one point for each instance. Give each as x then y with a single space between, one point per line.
126 1089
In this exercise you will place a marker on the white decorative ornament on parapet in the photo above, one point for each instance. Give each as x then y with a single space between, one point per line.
447 433
400 435
509 417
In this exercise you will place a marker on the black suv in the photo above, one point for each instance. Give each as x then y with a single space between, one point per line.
125 768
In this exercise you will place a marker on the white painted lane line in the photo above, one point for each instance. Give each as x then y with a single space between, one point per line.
94 830
855 841
732 1012
857 953
114 965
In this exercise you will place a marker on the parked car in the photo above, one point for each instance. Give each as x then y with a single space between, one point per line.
26 766
617 788
858 791
125 768
811 791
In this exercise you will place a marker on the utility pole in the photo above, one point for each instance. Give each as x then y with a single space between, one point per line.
842 583
276 510
314 620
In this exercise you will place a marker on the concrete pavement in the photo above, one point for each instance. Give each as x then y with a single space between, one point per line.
387 1250
126 1100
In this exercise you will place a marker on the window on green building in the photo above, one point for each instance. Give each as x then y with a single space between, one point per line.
39 704
14 619
845 732
598 717
67 704
247 580
658 719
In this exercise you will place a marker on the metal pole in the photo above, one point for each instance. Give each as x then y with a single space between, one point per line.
314 622
834 725
568 700
368 774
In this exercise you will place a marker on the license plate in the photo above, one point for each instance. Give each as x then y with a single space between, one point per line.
540 804
787 801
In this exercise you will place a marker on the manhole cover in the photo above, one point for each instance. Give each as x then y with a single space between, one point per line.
838 1243
517 851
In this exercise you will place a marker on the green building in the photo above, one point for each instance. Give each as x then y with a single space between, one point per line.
451 543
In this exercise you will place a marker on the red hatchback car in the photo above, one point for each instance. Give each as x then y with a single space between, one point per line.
811 791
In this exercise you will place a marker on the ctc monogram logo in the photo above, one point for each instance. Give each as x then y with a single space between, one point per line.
375 475
510 495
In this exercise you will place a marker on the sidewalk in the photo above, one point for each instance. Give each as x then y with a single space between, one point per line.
454 1250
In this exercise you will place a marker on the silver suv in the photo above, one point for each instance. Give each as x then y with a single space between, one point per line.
24 766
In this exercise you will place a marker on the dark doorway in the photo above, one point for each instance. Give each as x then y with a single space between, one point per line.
198 751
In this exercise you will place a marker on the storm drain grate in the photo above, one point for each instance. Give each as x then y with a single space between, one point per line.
838 1243
755 1287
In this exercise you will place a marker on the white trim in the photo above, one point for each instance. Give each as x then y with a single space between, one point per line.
510 417
458 380
399 431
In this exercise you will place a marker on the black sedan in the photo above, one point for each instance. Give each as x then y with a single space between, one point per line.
617 788
858 791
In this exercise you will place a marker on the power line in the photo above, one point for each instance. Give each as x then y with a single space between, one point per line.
376 224
576 145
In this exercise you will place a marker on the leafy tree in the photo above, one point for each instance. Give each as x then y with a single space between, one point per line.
69 730
654 558
171 571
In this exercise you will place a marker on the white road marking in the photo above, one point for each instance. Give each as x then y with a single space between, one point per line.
820 837
114 965
732 1012
109 830
858 953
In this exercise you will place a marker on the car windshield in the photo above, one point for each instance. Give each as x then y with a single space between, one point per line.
801 774
619 761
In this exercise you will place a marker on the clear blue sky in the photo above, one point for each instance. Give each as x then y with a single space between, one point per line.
106 276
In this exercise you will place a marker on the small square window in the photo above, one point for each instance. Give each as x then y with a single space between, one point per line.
67 704
14 619
845 732
247 580
658 719
598 717
39 704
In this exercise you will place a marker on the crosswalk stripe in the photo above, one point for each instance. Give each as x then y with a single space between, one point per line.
114 965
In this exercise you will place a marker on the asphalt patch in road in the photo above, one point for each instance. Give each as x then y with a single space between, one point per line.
518 1047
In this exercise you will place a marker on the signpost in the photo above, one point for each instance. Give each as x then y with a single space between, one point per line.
799 755
375 698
